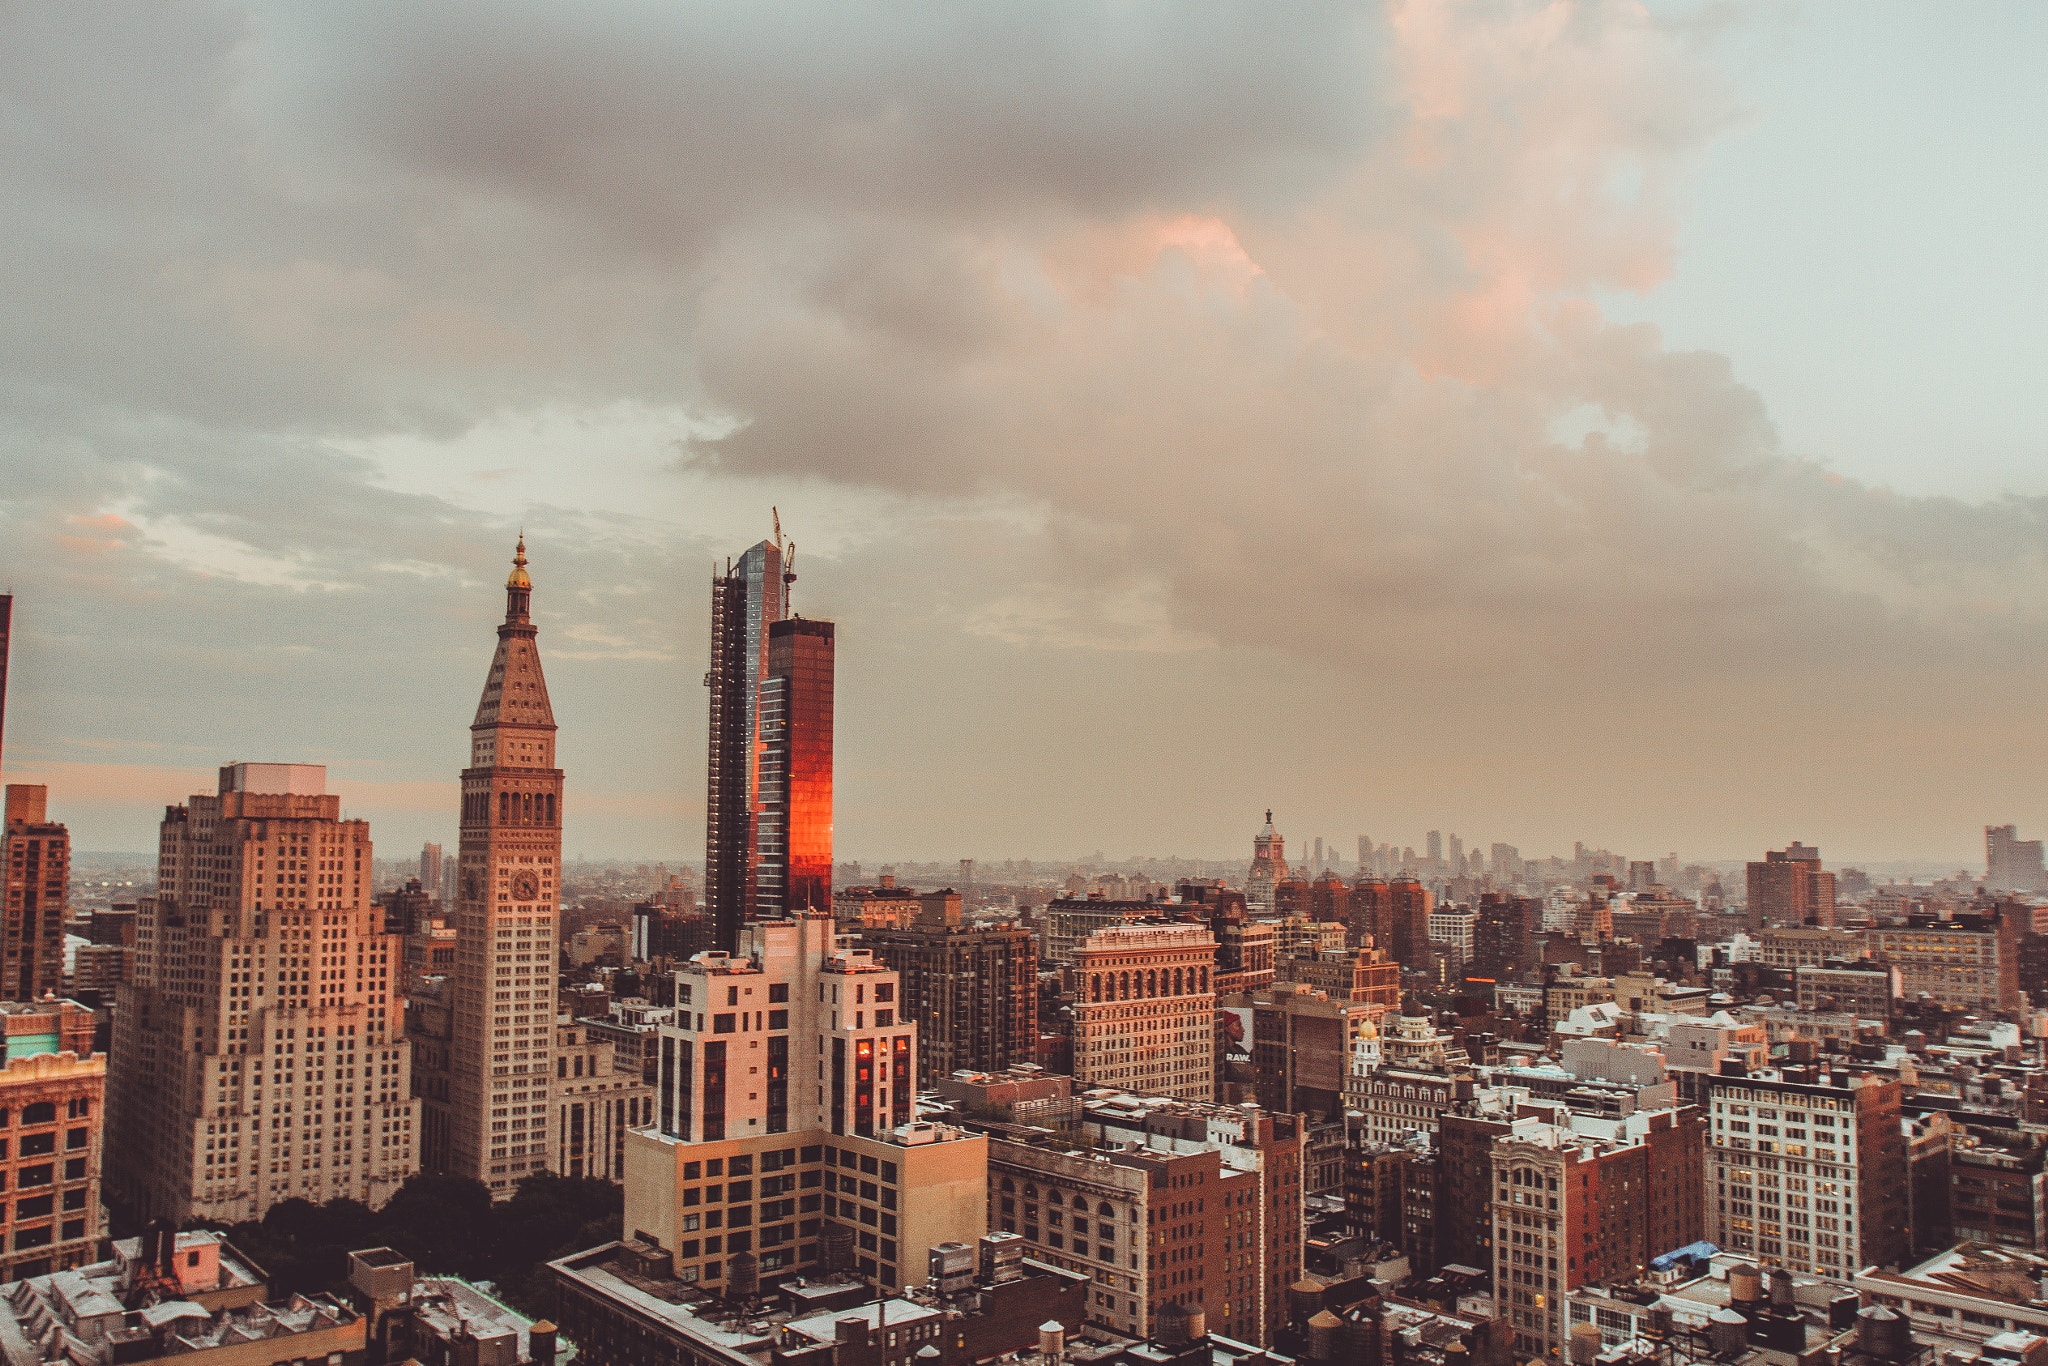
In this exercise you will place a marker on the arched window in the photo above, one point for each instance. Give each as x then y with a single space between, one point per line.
1008 1184
1106 1210
504 808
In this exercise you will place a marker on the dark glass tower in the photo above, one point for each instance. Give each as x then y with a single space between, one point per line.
745 602
793 822
6 626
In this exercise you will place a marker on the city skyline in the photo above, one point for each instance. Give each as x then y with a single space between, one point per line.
1409 734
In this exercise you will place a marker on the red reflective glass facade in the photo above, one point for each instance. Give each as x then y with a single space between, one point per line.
793 830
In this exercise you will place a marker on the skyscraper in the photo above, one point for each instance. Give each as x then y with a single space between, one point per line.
1826 1207
745 602
1790 888
1144 1010
262 995
6 630
787 1064
1436 848
2012 864
38 882
493 1124
792 855
430 870
972 990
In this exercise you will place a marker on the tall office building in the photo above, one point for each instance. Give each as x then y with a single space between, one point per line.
430 870
1585 1199
1808 1169
792 856
1144 1009
38 873
6 632
1966 962
1138 1207
1394 916
1790 888
788 1066
2012 864
493 1123
258 1056
1500 937
971 989
745 602
1436 848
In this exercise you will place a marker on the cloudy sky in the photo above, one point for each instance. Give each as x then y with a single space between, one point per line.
1535 421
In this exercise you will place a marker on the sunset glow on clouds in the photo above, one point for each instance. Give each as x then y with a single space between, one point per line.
1181 412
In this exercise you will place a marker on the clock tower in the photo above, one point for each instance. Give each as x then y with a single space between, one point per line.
491 1121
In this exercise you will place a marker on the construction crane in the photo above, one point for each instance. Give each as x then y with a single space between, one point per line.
786 556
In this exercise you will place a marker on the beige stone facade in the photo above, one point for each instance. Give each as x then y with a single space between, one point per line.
258 1055
784 1137
491 1117
596 1101
1145 1010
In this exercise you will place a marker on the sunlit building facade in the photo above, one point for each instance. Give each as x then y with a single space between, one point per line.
793 826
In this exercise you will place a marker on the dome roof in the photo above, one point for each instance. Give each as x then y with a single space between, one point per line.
518 578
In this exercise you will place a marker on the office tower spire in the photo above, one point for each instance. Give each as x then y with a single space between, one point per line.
499 1013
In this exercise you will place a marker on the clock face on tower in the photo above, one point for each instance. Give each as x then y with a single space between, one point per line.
525 886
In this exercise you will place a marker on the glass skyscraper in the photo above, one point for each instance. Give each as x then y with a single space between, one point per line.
745 601
768 806
793 824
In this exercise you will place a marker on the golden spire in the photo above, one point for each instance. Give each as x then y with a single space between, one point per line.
518 578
